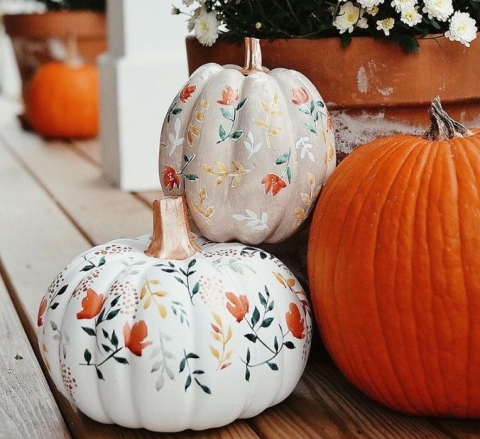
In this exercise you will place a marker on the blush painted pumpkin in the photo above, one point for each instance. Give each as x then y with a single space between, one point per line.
394 269
62 100
249 148
169 333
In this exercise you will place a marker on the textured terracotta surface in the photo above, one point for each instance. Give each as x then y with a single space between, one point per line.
388 89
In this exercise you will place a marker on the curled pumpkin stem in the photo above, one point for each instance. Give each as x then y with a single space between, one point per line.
442 126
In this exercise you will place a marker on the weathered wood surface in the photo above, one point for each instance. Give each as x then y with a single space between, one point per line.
54 204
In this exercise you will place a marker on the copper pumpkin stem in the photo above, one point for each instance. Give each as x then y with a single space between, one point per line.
253 57
172 238
442 126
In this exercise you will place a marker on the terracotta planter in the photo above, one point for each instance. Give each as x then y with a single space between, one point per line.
371 87
31 34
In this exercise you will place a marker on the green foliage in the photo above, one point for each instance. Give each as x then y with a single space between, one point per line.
57 5
272 19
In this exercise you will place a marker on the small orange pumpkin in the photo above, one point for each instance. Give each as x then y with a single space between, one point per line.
394 269
63 99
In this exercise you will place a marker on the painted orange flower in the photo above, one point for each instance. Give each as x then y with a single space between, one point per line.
170 178
187 92
273 183
299 96
91 305
41 311
294 321
238 305
229 96
135 336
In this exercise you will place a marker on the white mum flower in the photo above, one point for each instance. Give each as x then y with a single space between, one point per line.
411 17
206 28
369 4
462 28
385 25
188 2
402 5
347 17
439 9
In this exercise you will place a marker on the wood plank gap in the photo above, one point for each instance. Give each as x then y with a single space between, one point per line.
31 335
86 150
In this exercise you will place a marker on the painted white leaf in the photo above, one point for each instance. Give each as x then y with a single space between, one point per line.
156 366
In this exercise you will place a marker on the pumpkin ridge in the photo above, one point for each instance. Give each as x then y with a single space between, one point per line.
399 256
444 191
331 189
367 208
470 154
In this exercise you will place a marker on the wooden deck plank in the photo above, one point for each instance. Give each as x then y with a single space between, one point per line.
325 405
36 238
99 209
27 406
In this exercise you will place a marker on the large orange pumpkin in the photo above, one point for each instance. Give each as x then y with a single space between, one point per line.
394 269
63 100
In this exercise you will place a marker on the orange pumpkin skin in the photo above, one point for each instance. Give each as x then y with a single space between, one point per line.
63 101
394 273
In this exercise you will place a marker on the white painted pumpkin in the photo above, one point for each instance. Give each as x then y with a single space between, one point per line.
250 149
136 338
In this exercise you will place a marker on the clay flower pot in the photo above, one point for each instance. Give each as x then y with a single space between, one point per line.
371 87
31 35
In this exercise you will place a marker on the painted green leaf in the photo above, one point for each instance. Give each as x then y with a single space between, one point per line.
196 288
87 355
99 373
241 104
188 382
237 134
255 316
62 290
267 322
88 267
227 114
289 174
222 133
89 331
121 360
263 301
114 339
113 313
205 388
273 366
282 159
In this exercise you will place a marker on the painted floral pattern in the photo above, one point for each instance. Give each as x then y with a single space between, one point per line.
254 141
232 313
